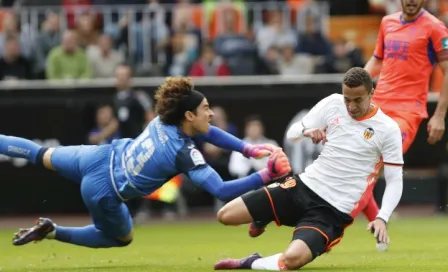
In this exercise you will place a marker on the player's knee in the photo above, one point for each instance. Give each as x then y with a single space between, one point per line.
234 213
294 260
126 240
224 215
122 243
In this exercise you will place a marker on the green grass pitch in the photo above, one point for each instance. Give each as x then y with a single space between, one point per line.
416 245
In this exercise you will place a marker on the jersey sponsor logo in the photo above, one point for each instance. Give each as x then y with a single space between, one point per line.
368 133
273 185
396 49
197 157
445 43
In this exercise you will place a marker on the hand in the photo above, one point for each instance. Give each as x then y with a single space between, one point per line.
436 129
278 165
317 135
259 151
379 229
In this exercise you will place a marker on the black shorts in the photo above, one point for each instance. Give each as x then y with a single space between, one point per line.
292 203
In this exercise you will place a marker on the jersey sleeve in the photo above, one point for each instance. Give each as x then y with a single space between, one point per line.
392 149
318 115
189 157
379 47
439 38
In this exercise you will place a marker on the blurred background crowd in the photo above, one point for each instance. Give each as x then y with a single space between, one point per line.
85 39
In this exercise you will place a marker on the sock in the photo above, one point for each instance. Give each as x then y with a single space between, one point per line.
19 148
371 210
272 263
87 236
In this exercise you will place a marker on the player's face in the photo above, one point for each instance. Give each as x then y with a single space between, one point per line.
202 118
357 100
412 7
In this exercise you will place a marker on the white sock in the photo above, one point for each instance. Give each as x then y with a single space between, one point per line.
268 263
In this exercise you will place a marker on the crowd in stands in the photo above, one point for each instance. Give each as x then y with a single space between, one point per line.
216 38
84 39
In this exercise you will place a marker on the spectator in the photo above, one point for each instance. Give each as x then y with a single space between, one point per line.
104 117
209 64
68 61
11 27
237 49
291 64
13 66
86 30
48 38
345 56
134 109
104 59
275 33
73 8
185 44
254 134
311 40
269 62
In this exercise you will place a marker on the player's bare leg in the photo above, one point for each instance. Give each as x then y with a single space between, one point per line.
297 255
234 213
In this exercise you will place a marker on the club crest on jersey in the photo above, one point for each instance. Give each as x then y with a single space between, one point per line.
368 133
197 157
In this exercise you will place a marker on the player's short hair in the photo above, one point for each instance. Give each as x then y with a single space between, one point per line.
170 96
356 77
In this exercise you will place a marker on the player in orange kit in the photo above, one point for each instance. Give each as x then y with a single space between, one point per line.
410 43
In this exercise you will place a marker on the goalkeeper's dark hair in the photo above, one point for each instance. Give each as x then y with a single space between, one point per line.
171 100
356 77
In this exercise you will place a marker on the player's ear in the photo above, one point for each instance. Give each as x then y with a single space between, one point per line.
189 116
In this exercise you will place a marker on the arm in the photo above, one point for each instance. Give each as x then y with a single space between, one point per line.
393 172
222 139
442 103
208 178
225 140
392 194
314 119
436 125
373 66
439 36
192 163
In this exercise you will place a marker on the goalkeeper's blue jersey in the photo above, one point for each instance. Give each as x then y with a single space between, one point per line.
142 165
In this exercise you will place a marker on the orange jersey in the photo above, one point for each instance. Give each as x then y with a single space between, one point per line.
408 52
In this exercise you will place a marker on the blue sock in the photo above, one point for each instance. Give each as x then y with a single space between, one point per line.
19 148
87 236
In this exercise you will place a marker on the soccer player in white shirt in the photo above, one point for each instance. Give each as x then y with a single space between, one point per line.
359 139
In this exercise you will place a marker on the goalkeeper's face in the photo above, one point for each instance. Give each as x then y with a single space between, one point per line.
201 117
